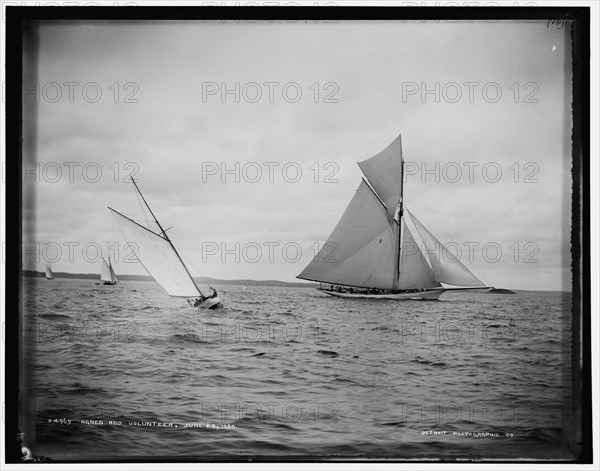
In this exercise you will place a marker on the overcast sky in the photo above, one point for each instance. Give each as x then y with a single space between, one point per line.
171 124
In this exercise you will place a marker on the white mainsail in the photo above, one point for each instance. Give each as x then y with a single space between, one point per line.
107 274
357 252
157 254
113 275
373 245
49 274
105 271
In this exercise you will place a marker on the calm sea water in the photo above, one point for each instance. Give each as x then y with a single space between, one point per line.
125 371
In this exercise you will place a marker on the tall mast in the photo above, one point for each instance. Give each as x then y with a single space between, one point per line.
400 211
164 234
162 231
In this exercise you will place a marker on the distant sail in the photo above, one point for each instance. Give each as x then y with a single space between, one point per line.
357 252
107 273
447 268
49 274
157 256
112 272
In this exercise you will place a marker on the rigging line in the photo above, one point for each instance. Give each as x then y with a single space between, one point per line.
141 221
385 208
144 211
470 265
416 235
146 203
136 223
184 254
183 251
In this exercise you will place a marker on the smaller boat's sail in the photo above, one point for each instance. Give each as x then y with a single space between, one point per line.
158 257
157 254
446 267
113 276
49 274
107 273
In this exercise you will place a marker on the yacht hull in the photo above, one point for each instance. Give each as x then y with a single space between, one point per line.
430 294
210 303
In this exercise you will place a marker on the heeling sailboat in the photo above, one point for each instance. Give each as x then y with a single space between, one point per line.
49 275
157 254
372 253
107 274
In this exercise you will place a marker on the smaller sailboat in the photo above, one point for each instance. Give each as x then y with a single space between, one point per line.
107 274
157 254
49 275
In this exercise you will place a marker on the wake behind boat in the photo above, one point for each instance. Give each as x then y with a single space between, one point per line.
157 254
372 252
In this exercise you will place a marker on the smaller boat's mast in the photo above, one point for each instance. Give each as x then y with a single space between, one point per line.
163 233
111 272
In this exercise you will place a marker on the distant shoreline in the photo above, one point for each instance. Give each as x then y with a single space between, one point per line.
244 282
96 277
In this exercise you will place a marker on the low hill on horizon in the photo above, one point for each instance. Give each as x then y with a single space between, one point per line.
243 282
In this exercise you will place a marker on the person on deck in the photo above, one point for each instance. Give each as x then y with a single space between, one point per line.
198 301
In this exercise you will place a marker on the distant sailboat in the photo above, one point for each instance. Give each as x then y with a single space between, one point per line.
107 274
157 254
49 275
373 254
